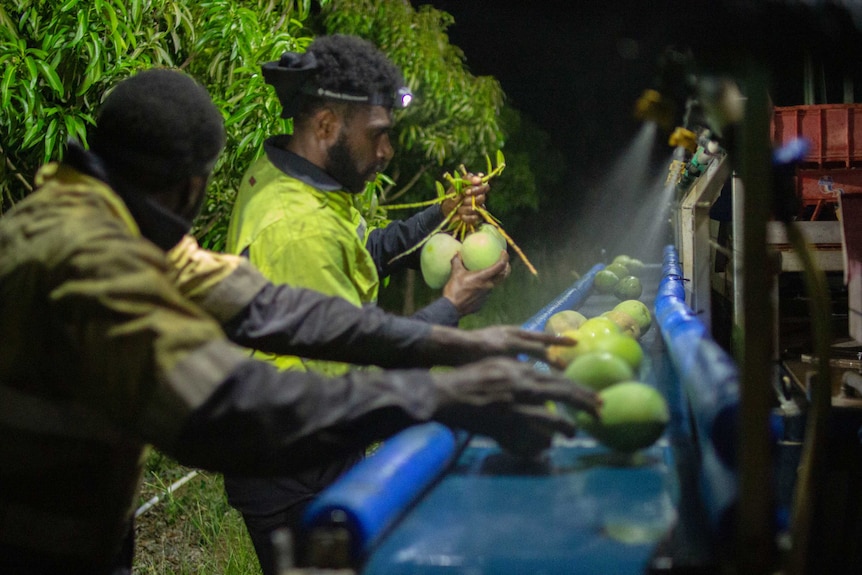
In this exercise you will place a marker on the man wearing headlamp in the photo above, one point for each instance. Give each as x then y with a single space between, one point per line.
295 219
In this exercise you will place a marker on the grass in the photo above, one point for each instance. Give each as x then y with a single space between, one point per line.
191 531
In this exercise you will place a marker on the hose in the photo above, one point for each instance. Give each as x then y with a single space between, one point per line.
171 488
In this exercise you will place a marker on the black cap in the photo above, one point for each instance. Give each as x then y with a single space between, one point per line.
287 76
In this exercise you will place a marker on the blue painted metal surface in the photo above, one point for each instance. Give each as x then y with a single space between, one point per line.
581 511
373 495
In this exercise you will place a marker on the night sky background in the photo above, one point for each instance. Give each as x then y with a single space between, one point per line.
577 67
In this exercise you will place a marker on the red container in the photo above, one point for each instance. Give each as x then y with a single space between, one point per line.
834 130
834 162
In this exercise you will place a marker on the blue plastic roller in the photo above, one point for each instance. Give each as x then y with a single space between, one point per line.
371 496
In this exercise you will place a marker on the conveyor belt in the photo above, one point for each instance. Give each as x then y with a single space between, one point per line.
579 509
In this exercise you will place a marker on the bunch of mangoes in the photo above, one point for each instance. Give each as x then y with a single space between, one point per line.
607 357
621 277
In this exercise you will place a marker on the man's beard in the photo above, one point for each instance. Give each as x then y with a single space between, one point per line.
341 165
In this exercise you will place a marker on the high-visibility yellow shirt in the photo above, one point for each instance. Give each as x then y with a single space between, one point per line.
297 234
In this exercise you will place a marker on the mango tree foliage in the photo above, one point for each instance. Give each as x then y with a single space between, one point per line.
59 58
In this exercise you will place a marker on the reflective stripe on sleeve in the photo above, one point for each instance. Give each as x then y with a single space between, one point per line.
222 284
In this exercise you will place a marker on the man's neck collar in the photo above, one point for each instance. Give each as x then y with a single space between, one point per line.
298 167
157 224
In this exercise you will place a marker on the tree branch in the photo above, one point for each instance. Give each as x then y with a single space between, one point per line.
15 170
409 184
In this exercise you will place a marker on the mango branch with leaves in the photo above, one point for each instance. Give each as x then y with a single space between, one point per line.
458 230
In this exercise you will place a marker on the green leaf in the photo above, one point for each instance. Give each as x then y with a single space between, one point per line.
31 67
120 44
51 139
51 77
108 13
34 129
75 127
91 75
6 86
134 11
37 53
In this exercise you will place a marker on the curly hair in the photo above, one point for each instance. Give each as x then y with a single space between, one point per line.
350 65
160 123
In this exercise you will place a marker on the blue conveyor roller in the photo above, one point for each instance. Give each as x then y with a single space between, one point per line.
370 497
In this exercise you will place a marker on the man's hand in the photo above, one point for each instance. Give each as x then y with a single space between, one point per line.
507 400
468 290
453 346
466 213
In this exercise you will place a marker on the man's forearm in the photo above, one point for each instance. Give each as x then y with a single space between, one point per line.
294 321
299 419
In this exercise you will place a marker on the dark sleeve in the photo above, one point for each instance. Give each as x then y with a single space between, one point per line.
296 321
385 243
299 419
441 312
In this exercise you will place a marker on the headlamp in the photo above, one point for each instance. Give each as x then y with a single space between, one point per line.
401 99
404 97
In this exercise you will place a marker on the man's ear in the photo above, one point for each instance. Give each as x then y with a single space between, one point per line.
327 125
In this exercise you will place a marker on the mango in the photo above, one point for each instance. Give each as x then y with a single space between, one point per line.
480 250
562 355
605 281
592 332
598 327
435 260
564 320
622 259
638 310
634 265
632 416
598 370
622 346
618 270
487 228
629 287
627 323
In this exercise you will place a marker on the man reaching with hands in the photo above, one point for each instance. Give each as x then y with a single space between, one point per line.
120 332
